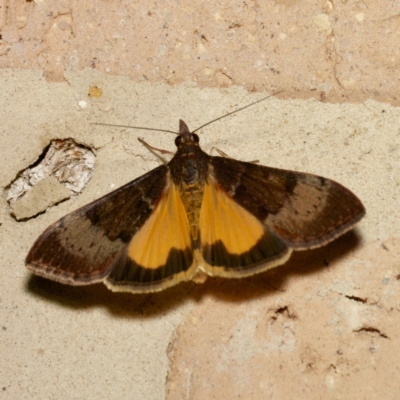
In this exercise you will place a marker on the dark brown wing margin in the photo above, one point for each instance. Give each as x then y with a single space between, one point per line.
304 210
80 248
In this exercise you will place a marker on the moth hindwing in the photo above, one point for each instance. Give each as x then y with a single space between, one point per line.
195 214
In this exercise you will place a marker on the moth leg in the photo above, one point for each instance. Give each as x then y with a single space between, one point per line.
154 150
222 154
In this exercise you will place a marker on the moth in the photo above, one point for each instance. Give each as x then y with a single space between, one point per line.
195 215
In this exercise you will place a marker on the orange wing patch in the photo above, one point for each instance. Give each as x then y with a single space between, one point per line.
234 243
160 254
166 229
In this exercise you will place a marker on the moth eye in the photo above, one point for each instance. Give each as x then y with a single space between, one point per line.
195 138
178 141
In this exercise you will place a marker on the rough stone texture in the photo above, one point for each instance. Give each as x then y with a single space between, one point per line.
297 332
323 326
342 50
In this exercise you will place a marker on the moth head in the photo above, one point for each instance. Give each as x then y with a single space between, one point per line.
185 136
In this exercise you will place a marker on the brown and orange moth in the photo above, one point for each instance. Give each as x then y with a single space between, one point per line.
196 214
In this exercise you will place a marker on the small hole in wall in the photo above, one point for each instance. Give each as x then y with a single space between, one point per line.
60 172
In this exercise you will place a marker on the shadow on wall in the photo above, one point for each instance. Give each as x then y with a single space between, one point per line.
226 290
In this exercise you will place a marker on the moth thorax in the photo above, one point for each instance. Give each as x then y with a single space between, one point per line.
190 174
192 197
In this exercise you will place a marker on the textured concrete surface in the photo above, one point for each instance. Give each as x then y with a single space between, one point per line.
342 50
326 324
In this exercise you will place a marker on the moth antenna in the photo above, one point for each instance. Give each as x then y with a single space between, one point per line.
239 109
135 127
202 126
